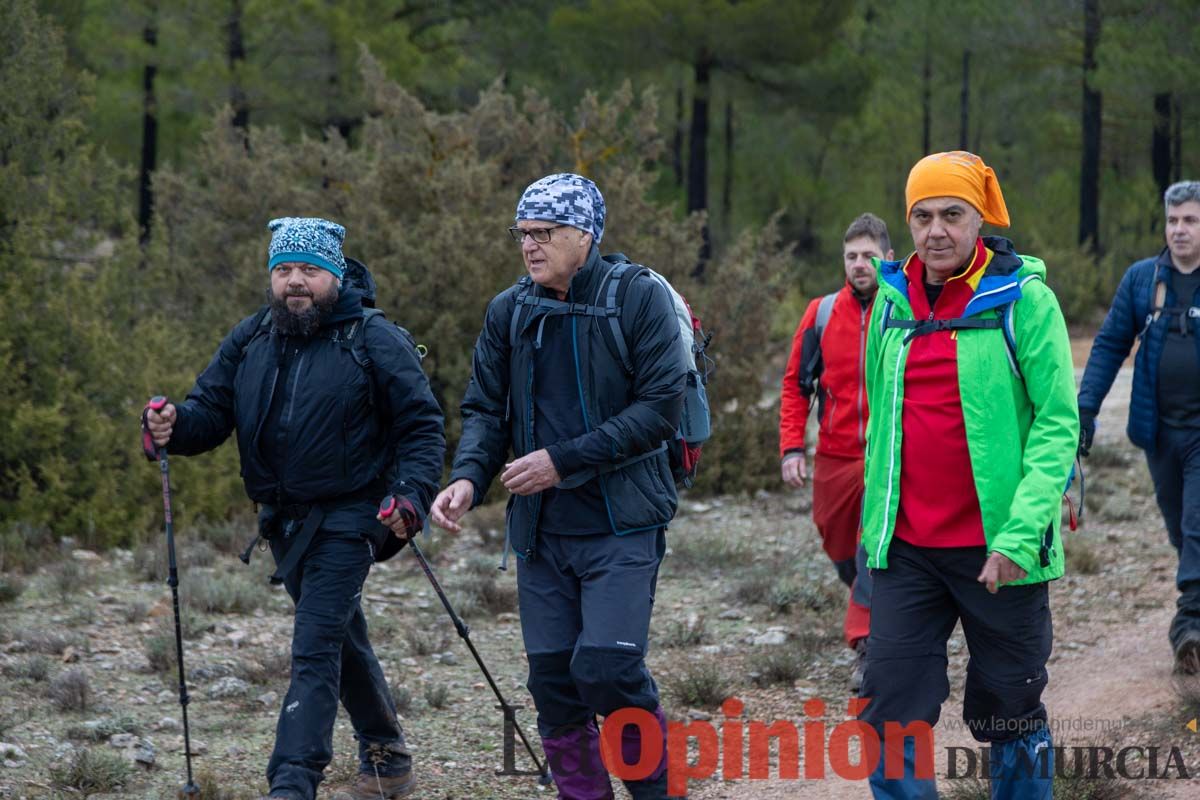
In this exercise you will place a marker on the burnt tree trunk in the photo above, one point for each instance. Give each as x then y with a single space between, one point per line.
236 54
1089 173
965 103
1177 142
697 180
677 139
727 184
926 103
149 128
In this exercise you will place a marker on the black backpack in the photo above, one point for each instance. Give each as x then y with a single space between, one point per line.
695 428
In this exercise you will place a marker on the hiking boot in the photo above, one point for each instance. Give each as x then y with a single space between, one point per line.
370 787
860 666
1187 654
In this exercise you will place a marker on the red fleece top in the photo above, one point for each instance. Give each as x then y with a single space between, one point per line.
844 423
938 504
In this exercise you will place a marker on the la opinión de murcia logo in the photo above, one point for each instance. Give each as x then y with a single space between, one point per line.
851 749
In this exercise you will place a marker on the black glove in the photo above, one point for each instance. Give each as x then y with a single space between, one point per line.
1087 429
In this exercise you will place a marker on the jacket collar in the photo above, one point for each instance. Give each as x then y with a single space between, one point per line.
1000 284
348 306
583 282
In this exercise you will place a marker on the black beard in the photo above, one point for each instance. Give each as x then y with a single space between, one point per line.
308 321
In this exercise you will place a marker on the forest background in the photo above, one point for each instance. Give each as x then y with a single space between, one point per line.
144 144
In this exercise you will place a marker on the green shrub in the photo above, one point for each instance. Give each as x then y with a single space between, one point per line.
225 592
402 698
690 631
11 587
35 668
71 690
425 641
161 652
437 695
782 664
698 683
93 771
69 578
272 667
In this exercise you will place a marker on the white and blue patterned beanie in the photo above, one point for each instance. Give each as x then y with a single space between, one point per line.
310 240
565 198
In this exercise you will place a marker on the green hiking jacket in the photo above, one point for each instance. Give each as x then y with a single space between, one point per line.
1022 427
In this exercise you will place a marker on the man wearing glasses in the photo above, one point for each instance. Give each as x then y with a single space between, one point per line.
592 490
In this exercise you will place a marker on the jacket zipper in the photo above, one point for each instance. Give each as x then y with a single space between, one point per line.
537 499
286 419
862 357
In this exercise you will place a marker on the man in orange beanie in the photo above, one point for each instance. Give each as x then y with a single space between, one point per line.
970 441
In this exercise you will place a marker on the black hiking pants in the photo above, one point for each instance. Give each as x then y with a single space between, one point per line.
332 660
1175 468
915 604
585 618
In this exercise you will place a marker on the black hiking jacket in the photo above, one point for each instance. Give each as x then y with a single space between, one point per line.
352 433
628 415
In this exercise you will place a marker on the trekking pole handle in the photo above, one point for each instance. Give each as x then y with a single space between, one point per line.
155 404
388 506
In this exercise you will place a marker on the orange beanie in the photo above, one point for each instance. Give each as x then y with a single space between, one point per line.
957 174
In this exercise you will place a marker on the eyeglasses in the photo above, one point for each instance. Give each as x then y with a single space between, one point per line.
539 235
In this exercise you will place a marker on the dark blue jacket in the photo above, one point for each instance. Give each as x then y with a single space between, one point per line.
350 431
628 414
1129 320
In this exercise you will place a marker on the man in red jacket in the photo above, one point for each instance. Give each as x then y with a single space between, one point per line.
827 360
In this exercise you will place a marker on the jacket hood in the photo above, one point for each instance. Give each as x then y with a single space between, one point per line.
349 306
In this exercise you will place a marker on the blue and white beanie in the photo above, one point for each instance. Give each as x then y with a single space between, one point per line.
310 240
565 198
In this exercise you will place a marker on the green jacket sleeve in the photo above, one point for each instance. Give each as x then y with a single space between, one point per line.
1044 356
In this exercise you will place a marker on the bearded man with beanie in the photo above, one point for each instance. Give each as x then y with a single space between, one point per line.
970 442
592 490
322 441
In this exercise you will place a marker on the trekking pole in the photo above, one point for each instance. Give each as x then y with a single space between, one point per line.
156 453
386 509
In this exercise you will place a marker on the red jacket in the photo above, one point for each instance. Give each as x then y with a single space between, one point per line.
832 367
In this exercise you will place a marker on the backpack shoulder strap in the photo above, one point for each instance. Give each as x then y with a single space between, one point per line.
824 312
354 340
1160 300
514 325
619 278
260 327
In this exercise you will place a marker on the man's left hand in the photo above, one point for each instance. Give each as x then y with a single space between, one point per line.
530 474
999 570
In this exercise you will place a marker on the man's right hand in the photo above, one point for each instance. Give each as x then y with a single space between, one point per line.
794 470
1087 430
452 503
161 423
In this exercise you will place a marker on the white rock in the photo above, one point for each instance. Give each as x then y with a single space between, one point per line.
10 752
268 699
228 686
771 637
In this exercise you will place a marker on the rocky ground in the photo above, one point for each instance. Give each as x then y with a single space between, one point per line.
747 608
